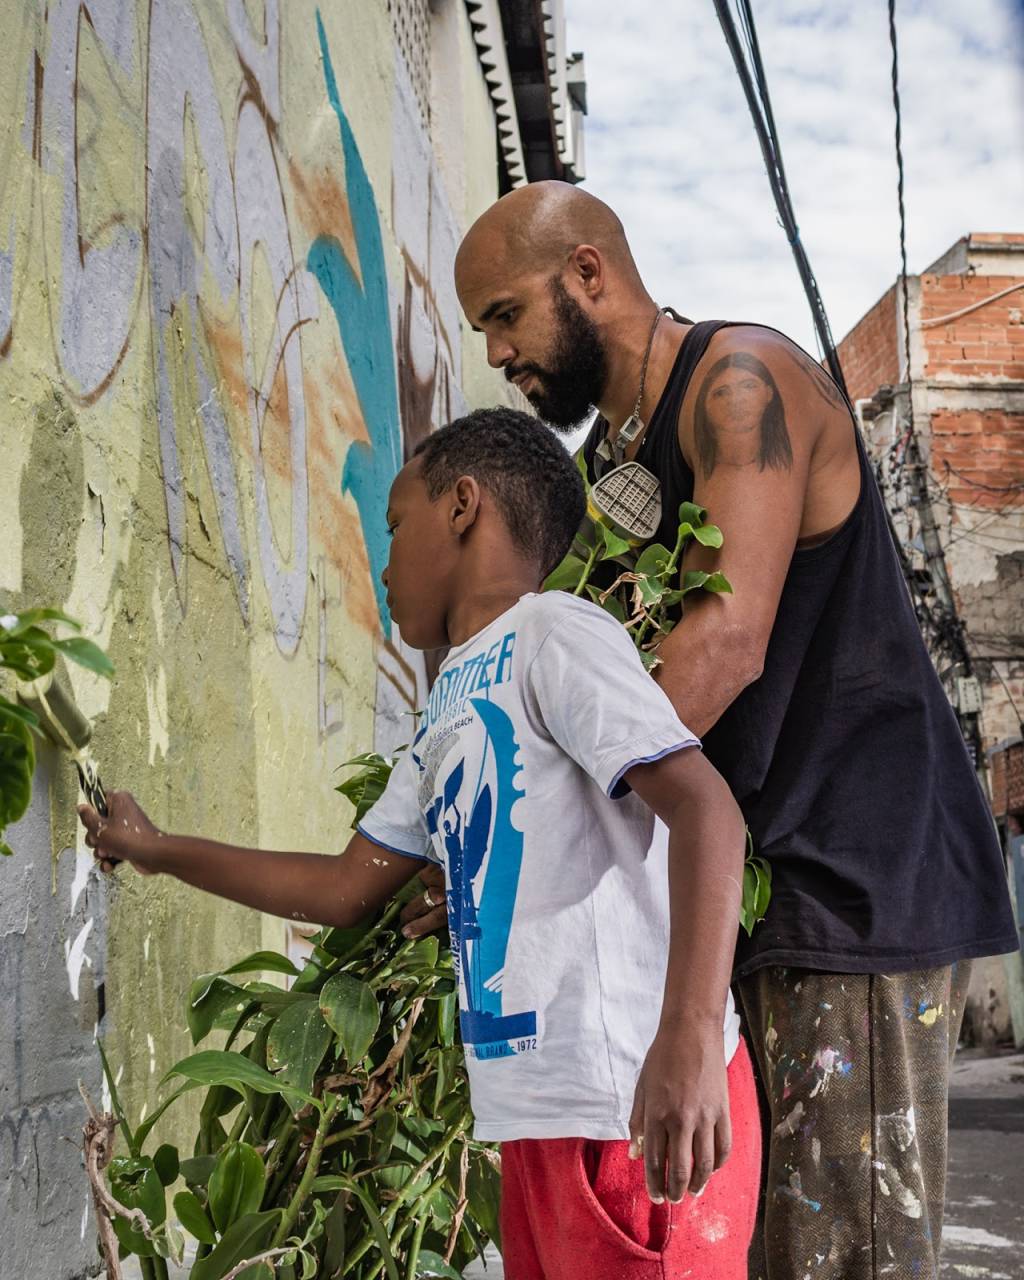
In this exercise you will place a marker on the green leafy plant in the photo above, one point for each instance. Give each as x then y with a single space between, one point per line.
334 1132
29 651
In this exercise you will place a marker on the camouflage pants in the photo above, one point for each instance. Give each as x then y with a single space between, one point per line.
853 1071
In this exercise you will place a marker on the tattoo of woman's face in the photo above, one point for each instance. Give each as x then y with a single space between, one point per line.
739 419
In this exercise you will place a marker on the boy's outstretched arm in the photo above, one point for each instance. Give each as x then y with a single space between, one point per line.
681 1107
323 889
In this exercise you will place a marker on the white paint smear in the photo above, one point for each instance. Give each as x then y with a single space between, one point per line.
74 954
83 865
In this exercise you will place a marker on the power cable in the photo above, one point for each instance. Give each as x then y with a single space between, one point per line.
755 88
952 634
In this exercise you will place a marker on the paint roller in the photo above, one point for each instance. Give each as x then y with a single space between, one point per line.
68 729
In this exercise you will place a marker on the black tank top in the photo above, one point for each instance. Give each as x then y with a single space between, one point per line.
845 755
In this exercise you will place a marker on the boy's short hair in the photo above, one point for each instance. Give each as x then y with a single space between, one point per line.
532 478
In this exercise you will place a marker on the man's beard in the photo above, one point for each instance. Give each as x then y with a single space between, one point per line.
569 387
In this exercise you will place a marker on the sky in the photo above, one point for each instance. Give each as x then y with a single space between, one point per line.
671 147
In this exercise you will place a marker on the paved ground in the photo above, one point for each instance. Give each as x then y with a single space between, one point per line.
984 1232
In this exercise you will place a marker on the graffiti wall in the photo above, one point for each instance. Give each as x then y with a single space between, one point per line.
226 315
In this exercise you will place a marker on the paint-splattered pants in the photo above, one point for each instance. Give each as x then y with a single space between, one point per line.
854 1072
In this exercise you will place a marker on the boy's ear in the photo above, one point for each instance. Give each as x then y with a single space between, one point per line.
465 505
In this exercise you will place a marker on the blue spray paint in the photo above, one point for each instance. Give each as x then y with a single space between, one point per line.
364 323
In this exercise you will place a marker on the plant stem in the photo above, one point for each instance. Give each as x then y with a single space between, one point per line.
588 567
406 1193
160 1268
669 570
285 1164
414 1248
440 1151
377 929
308 1175
115 1102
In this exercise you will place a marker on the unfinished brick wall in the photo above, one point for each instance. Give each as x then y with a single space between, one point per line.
869 354
987 342
978 456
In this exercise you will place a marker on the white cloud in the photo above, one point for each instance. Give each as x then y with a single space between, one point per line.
671 147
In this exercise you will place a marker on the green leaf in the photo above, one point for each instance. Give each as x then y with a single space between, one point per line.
748 899
208 997
243 1239
136 1184
86 654
720 583
334 1237
197 1170
32 617
366 787
351 1010
653 559
613 544
709 535
19 713
167 1164
379 1232
432 1264
651 591
483 1190
384 1132
236 1184
691 514
566 577
146 1126
694 579
17 765
297 1043
764 887
193 1217
581 467
264 962
213 1066
650 660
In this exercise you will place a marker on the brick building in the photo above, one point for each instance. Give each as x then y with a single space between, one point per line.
966 314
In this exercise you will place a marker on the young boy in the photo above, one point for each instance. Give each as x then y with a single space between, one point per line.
593 965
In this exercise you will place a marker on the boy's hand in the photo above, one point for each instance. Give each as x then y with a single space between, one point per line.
428 911
680 1119
125 834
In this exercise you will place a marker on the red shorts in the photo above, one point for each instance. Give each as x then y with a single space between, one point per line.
575 1209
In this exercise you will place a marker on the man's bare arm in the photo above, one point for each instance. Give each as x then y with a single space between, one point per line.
752 430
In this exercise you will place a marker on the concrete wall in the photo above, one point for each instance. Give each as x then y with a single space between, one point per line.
226 311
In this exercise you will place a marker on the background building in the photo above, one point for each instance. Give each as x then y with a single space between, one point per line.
226 315
956 492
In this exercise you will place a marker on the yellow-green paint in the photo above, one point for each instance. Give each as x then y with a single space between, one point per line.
177 407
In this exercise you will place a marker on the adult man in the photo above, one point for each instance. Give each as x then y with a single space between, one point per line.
814 696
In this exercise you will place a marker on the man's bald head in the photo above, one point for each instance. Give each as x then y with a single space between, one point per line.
546 275
536 228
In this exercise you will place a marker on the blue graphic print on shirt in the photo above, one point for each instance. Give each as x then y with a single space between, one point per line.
472 817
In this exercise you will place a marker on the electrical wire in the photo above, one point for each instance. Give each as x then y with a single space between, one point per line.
750 69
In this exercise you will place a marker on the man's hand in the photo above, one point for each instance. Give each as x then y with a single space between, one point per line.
680 1119
427 912
125 834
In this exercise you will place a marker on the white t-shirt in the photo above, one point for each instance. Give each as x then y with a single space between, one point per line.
557 882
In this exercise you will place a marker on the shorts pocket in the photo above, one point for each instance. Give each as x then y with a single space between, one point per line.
621 1181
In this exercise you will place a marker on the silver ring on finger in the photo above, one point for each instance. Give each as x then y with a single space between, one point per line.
428 900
